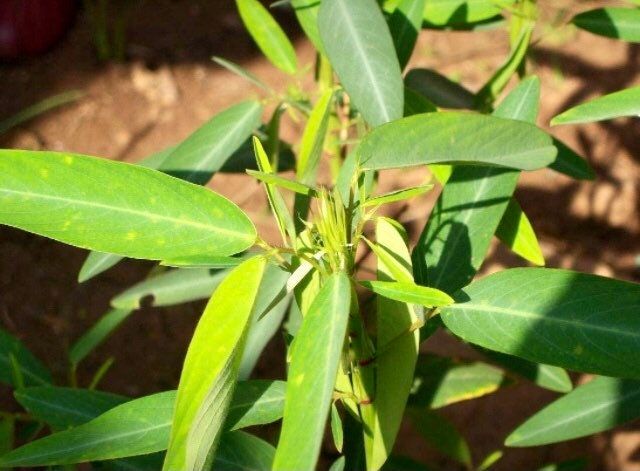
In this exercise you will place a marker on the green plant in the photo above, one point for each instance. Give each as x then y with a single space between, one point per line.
353 335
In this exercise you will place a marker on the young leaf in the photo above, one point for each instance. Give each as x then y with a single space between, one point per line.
13 352
277 180
312 143
312 374
357 41
307 14
442 382
97 334
581 322
398 195
211 367
241 72
442 435
96 263
405 24
336 428
117 207
397 345
172 287
409 293
614 105
620 23
456 137
599 405
268 35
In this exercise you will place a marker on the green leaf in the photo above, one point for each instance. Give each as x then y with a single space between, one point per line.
516 232
66 407
416 103
66 197
405 24
12 351
359 45
312 374
336 428
620 23
313 137
442 435
442 381
456 137
241 72
96 263
169 288
97 334
579 464
338 465
268 35
38 109
570 163
240 451
577 321
438 89
490 460
7 430
307 14
277 180
256 402
599 405
409 293
211 367
206 261
614 105
545 376
451 12
398 195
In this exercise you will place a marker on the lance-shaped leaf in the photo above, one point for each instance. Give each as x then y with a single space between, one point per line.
15 358
307 14
620 23
577 321
614 105
96 263
405 23
441 381
456 239
97 334
599 405
211 367
313 137
516 232
357 41
398 340
451 12
242 451
173 287
398 195
277 180
456 137
409 293
415 103
268 35
117 207
438 89
312 375
241 72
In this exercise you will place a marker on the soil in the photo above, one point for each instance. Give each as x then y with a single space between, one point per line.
169 86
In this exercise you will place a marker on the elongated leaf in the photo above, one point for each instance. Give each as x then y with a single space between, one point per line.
415 103
173 287
336 428
442 382
357 41
256 402
312 375
97 334
307 14
573 320
66 407
397 345
241 72
282 182
516 232
439 89
13 352
599 405
399 195
240 451
409 293
312 144
456 137
211 367
405 24
442 435
545 376
620 23
452 12
116 207
7 431
614 105
96 263
268 35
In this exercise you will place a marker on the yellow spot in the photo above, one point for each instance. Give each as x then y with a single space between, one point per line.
298 379
66 225
161 242
131 235
153 200
578 350
44 173
68 159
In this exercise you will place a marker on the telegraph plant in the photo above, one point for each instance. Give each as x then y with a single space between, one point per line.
353 331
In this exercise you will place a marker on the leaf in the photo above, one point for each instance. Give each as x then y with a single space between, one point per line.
599 405
441 382
240 451
398 195
490 460
276 180
207 261
579 464
442 435
614 105
448 12
357 41
7 431
409 293
456 137
545 376
66 407
415 103
405 24
336 428
313 137
38 109
307 14
439 89
12 351
570 163
312 374
205 151
92 203
268 35
96 263
620 23
241 72
516 232
211 367
338 465
256 402
577 321
97 334
170 288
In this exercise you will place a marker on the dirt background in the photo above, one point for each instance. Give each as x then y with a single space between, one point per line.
168 87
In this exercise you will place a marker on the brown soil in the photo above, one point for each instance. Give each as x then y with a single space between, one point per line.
168 87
